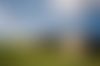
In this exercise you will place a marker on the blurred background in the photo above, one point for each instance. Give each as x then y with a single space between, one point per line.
49 32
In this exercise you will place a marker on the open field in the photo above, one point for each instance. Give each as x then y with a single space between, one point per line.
12 57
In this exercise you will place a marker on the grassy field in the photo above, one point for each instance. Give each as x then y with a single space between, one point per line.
11 57
21 56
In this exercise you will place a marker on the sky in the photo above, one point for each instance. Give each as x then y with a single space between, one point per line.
35 16
19 15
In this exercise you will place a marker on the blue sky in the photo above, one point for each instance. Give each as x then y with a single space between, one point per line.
28 11
24 8
26 16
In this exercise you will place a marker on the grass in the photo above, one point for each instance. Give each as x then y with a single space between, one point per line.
9 57
40 57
